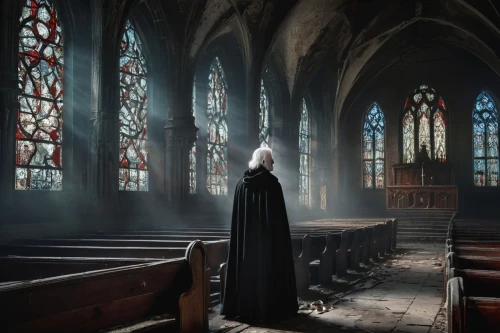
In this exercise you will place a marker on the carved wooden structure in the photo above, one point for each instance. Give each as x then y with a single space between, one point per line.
434 189
422 197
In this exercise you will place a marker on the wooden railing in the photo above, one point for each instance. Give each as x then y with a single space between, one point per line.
422 197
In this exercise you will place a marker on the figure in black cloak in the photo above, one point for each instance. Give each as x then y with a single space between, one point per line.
260 280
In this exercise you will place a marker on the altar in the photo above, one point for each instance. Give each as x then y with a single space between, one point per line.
424 184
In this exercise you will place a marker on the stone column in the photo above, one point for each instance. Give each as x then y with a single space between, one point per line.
180 134
95 140
8 114
9 92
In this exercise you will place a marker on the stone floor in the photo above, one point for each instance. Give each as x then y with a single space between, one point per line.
401 293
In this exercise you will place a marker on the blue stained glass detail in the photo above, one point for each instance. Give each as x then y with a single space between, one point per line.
374 148
192 152
263 116
217 171
133 157
485 141
304 149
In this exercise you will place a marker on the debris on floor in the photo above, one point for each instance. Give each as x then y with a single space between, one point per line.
400 293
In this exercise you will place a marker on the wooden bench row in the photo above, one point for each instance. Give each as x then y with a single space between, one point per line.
472 277
96 265
155 294
319 255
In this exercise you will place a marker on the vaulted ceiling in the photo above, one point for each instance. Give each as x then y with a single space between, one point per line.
359 38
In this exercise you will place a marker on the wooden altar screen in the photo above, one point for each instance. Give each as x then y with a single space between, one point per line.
425 184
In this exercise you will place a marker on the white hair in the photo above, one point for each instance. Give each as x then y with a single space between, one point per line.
258 157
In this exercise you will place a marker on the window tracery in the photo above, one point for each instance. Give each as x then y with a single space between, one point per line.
192 152
217 171
485 141
373 148
133 170
264 116
304 149
424 123
39 132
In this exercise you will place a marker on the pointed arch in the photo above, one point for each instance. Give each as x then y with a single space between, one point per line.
133 171
39 133
305 155
264 116
485 141
374 148
424 122
217 171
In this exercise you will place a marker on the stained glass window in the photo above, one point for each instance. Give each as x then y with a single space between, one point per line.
217 130
373 148
424 127
39 133
264 116
424 119
485 136
192 152
439 136
133 173
304 155
408 138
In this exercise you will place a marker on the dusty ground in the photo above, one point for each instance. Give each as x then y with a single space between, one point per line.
401 293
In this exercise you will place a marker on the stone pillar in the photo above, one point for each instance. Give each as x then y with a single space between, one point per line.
95 140
9 92
180 134
8 114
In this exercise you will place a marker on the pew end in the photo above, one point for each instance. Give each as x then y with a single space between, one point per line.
455 305
301 265
173 292
193 305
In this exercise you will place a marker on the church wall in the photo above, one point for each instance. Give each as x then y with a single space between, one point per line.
37 213
459 78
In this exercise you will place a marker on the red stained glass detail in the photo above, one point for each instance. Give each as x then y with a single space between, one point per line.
441 103
407 104
39 130
133 173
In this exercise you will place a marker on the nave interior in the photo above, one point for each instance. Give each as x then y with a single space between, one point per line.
125 126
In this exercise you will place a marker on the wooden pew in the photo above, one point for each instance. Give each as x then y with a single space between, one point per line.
176 290
389 226
217 251
481 283
467 314
473 251
15 268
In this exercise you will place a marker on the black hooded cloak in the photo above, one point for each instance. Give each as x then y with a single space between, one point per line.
260 281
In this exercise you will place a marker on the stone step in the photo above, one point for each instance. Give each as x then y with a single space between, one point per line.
419 235
423 229
412 218
440 239
427 226
422 223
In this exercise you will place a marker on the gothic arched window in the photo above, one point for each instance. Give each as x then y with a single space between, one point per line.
373 148
305 156
485 136
264 116
133 173
424 123
192 152
39 133
217 130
